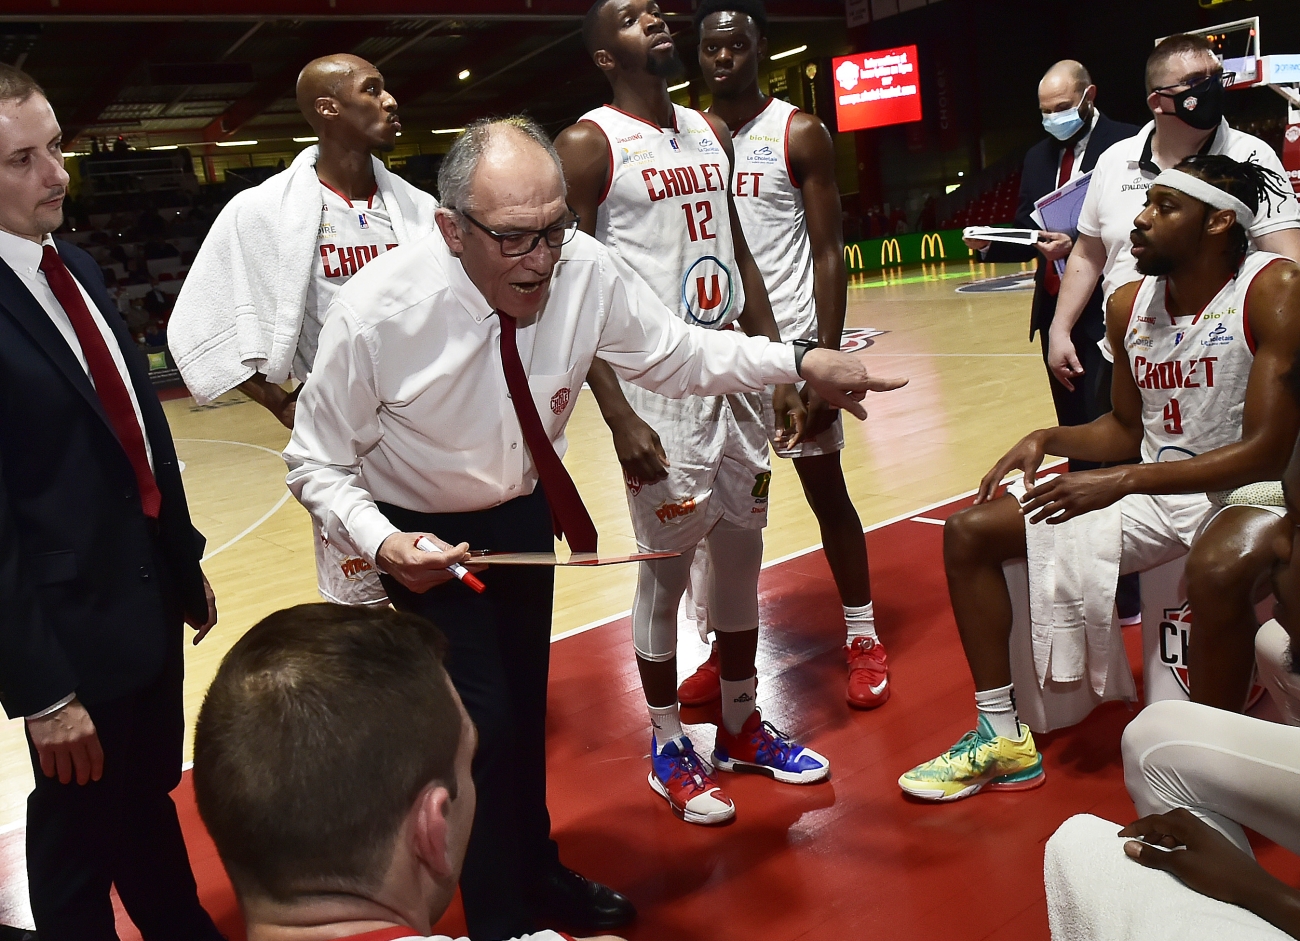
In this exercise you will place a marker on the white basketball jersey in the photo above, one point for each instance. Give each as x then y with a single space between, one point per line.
352 232
770 205
1192 371
665 212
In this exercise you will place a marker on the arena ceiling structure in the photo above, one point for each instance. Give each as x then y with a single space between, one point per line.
209 72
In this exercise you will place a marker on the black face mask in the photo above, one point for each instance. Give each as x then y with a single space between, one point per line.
1201 106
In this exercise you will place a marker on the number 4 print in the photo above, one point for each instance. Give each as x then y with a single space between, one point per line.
1173 418
705 209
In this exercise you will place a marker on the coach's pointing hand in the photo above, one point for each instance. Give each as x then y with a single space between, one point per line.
842 380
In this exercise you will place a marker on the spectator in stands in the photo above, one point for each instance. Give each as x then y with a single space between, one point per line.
1199 775
156 304
1078 134
333 820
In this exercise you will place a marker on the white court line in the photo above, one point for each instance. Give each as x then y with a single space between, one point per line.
926 519
962 355
261 519
802 552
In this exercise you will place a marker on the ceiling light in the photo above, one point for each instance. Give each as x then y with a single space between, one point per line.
679 87
448 130
75 153
236 143
790 52
305 140
464 74
166 147
399 133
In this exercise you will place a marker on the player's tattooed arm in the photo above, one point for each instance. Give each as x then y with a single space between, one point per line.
1206 862
812 159
272 397
584 152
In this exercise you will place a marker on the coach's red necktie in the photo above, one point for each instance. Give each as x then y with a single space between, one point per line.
1052 280
103 373
568 515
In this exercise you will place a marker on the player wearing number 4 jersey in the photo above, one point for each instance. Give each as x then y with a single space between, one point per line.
1208 332
650 180
789 207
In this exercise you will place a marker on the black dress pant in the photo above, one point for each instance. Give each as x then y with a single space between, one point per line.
498 658
120 830
1091 396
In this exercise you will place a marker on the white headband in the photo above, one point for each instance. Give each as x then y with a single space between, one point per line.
1212 196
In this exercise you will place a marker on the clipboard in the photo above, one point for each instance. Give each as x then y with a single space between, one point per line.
1059 210
591 559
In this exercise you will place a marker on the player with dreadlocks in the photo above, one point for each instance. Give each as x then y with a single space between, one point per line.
1207 334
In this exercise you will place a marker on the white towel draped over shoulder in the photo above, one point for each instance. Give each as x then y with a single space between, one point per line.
241 308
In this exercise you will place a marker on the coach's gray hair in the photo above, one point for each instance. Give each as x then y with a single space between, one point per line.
457 170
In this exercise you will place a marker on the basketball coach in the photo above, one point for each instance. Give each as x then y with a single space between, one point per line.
99 565
1079 134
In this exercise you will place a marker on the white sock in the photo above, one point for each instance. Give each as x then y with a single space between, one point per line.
738 702
999 707
667 724
861 622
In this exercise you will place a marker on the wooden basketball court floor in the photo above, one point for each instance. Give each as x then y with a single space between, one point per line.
848 859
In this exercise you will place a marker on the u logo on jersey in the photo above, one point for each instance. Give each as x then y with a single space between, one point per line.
707 291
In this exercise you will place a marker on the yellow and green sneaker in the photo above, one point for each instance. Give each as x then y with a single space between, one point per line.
980 759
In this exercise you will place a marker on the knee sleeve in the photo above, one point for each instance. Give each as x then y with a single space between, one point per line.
735 559
659 587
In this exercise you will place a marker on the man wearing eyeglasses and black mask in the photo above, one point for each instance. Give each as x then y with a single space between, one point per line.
445 374
1186 86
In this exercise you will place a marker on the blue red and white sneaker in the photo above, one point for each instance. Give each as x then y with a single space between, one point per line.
868 673
761 748
681 777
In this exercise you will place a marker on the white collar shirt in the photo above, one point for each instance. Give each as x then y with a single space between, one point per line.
24 256
407 403
1118 189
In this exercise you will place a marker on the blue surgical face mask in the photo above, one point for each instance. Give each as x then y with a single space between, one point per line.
1064 124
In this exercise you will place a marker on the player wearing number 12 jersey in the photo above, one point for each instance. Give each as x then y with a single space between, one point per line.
651 181
789 207
1209 333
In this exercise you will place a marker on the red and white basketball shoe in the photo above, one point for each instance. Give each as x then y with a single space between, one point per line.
704 685
868 673
682 778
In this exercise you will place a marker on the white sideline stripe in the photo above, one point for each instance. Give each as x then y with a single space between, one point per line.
573 632
962 355
926 519
261 519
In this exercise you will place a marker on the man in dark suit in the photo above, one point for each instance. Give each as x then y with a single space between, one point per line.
99 565
1079 134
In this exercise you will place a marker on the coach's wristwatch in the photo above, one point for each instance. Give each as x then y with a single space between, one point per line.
800 348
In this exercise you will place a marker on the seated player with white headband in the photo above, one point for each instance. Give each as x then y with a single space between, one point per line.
1208 333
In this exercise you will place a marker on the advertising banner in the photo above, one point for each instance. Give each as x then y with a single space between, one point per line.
875 89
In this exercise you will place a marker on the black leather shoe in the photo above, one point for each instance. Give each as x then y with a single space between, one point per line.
10 933
579 904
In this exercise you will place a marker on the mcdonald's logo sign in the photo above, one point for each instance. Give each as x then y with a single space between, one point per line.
853 257
890 249
932 244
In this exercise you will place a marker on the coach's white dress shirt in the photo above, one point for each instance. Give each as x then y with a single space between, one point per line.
407 403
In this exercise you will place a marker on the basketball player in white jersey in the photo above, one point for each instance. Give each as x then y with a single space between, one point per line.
788 202
650 180
261 254
1208 334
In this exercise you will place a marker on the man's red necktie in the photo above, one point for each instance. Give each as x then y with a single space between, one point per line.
1052 281
568 515
103 373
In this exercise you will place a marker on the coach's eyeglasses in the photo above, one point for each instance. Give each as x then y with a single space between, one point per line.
514 244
